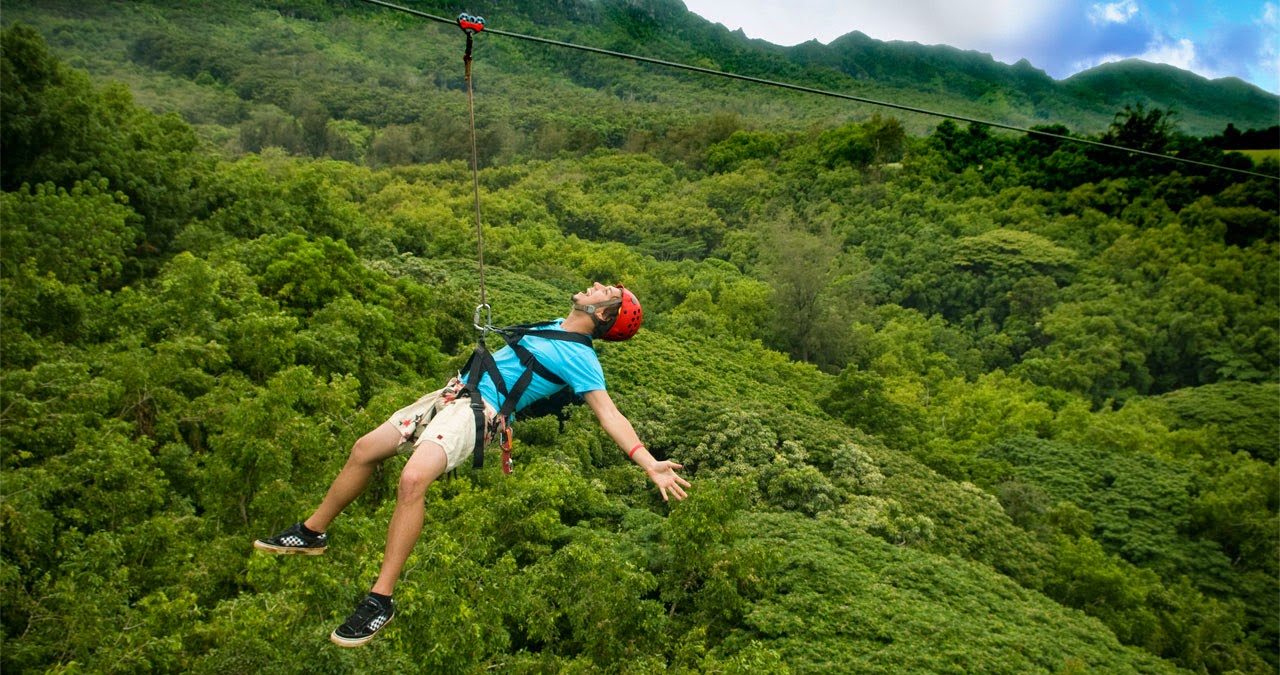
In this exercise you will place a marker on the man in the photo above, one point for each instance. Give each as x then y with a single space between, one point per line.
441 430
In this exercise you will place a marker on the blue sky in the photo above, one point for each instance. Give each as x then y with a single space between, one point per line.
1214 38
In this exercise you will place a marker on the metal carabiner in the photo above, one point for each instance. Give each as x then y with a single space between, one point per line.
504 442
488 318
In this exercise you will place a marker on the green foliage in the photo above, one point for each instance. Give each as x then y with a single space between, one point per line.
79 237
1240 411
741 146
849 599
59 128
1137 515
873 143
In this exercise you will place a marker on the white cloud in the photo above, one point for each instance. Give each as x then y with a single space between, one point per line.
1269 21
1180 54
1095 60
1113 12
974 24
1265 71
1270 15
961 24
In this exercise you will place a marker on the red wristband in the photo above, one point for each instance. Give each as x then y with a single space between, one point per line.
632 451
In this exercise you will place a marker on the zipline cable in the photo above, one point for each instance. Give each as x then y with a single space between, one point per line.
823 92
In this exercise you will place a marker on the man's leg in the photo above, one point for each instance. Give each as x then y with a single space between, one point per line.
376 611
308 537
454 427
366 455
426 464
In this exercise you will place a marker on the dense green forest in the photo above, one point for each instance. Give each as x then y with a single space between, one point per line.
950 401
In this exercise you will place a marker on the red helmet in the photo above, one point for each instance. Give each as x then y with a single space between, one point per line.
628 321
624 324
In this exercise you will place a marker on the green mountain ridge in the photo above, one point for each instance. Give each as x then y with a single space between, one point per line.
956 76
243 50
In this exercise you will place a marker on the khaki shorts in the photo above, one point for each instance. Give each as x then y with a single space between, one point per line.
441 418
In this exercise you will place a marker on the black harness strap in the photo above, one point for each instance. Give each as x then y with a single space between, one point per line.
482 363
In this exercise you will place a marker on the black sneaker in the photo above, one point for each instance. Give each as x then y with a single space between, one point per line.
295 541
369 618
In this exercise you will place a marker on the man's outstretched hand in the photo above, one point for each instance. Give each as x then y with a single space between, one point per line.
664 475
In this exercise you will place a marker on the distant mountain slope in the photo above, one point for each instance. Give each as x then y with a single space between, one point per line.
341 46
1198 102
949 78
1021 93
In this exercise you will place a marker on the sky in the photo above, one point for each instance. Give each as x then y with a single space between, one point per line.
1213 38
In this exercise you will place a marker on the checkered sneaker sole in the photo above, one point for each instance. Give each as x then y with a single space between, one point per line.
369 618
293 541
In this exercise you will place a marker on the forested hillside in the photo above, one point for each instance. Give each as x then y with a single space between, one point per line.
950 401
357 82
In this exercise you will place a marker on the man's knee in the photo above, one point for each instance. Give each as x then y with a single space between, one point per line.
414 481
422 469
375 446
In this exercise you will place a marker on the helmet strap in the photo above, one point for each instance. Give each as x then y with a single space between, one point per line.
601 326
591 309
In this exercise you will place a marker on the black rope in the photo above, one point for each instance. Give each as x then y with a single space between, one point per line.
475 177
823 92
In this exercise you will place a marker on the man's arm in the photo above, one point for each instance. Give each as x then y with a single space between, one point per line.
619 428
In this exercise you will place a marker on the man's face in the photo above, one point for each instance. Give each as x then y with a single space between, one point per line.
597 294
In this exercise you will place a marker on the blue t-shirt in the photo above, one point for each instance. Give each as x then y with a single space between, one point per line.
572 362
